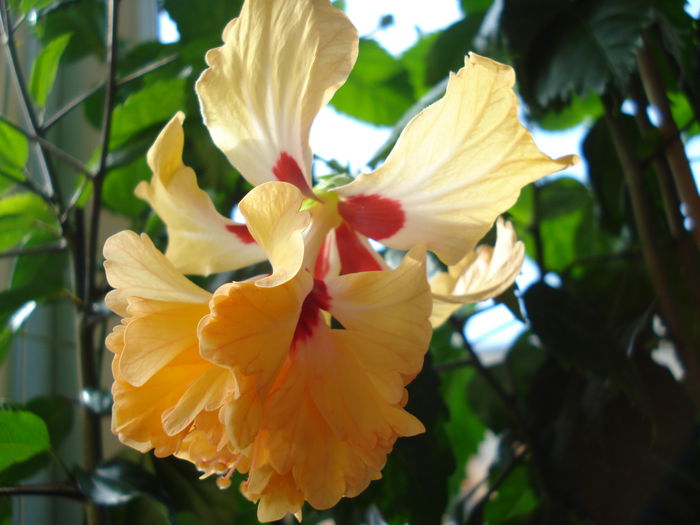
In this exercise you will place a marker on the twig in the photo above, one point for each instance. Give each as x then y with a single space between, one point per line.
493 487
25 102
29 185
75 198
75 102
34 250
62 490
61 155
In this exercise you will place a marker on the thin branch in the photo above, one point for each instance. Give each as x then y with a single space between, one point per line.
34 250
61 490
25 100
493 487
75 198
61 155
75 102
29 185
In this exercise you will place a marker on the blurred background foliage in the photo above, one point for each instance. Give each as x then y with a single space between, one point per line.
589 417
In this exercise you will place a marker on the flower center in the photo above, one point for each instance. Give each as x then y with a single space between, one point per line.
310 316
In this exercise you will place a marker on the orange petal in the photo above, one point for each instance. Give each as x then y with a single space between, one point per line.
194 225
280 63
456 166
250 328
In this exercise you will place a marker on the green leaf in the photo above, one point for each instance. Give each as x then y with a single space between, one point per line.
513 498
577 111
28 5
146 109
379 89
21 214
415 60
201 20
566 48
119 185
45 68
450 47
85 19
118 481
475 6
22 435
14 151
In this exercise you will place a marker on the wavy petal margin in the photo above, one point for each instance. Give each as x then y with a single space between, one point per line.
457 165
281 62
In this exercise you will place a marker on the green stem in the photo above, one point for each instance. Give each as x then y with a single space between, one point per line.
62 490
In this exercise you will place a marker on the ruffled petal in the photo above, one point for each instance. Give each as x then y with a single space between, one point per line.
135 268
273 216
483 273
457 165
280 63
194 226
250 328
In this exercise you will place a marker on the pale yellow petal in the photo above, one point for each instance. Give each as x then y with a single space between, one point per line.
135 268
457 165
484 273
280 63
273 215
200 240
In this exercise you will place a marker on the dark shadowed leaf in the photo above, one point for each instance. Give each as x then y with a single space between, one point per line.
119 184
566 48
450 47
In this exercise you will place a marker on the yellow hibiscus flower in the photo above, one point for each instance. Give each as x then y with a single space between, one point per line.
298 378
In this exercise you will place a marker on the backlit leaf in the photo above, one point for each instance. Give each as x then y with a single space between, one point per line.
45 68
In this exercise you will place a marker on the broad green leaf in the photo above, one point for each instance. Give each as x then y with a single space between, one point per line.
85 19
145 109
28 5
197 20
57 413
450 47
22 435
578 110
566 48
14 152
514 498
475 6
415 60
119 184
45 68
118 481
22 214
378 90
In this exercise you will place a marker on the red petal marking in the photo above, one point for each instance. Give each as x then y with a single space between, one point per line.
323 260
373 215
287 170
310 315
241 231
354 256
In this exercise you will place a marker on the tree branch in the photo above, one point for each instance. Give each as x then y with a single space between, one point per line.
61 490
75 102
33 250
61 155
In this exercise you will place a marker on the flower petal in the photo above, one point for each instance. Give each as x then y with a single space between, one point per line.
274 220
280 63
483 273
157 333
457 165
250 328
194 225
135 268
